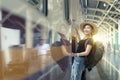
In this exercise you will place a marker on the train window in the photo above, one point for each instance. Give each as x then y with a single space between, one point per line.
50 37
40 5
45 7
116 26
66 8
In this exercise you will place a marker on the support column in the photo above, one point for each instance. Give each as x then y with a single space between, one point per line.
113 37
28 29
1 53
0 26
110 40
119 34
116 42
107 36
119 42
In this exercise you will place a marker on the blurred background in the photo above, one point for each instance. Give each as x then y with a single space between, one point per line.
32 33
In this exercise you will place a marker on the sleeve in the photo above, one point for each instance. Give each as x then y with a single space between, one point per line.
90 42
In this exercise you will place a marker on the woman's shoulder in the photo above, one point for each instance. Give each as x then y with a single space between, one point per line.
87 39
91 39
84 39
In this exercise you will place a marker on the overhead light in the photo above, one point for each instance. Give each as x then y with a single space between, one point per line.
104 5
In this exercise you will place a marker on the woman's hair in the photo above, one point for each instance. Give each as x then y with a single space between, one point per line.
89 25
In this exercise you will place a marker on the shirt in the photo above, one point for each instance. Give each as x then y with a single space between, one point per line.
81 44
42 49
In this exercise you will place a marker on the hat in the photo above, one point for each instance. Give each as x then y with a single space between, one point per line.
95 29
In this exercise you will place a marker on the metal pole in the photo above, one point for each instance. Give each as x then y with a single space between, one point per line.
1 53
29 33
0 27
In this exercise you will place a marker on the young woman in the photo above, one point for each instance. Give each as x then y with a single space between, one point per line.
84 48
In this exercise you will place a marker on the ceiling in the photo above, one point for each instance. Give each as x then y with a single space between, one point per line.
102 12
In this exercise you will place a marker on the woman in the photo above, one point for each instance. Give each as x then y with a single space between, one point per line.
84 48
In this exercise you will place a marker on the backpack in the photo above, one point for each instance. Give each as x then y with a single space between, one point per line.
95 55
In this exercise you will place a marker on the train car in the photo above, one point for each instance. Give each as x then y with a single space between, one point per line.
37 37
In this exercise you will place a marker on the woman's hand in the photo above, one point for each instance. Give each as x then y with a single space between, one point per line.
74 54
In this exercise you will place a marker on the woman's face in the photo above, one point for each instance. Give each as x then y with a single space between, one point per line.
87 30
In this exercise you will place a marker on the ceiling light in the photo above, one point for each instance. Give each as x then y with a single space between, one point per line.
104 4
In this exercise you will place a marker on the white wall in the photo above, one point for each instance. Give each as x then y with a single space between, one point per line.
9 37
